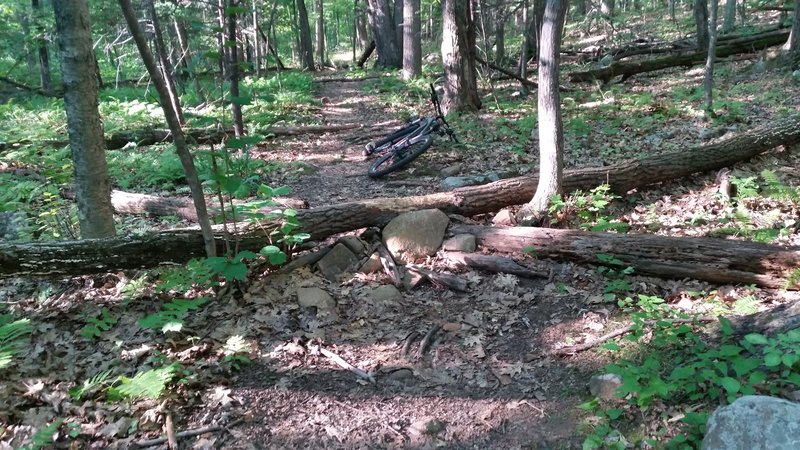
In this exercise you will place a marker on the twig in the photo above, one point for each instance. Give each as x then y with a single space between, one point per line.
453 282
345 365
184 434
169 429
407 343
571 350
426 341
389 265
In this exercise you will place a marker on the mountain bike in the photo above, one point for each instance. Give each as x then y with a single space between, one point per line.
401 147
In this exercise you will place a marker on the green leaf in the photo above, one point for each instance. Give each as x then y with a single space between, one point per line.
614 413
211 54
757 339
242 100
772 359
243 141
730 384
726 326
13 336
611 345
277 259
149 384
231 10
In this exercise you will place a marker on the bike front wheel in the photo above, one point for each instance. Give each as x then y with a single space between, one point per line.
399 157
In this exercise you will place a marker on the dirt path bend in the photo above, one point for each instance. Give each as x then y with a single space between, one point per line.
329 168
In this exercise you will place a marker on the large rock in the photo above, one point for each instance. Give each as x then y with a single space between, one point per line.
754 422
336 262
605 386
415 234
460 243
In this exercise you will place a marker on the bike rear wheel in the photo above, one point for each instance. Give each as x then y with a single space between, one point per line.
400 156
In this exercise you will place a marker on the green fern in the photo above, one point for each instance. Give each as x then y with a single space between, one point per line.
777 190
97 325
12 337
149 384
90 385
44 437
170 318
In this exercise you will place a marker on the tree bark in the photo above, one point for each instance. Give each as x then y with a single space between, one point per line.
380 20
366 54
306 50
629 69
233 71
412 43
92 182
320 33
44 58
458 56
186 57
398 18
718 261
551 129
729 17
175 128
701 24
792 45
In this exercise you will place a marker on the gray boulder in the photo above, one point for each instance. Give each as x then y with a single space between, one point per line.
605 386
460 243
316 297
754 422
415 234
336 262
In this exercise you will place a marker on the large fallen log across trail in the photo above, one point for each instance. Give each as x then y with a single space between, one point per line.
144 137
718 261
731 47
76 257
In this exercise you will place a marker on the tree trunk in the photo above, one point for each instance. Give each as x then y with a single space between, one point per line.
729 17
233 72
366 54
256 42
412 44
306 50
731 47
397 18
186 58
458 56
41 42
380 20
166 65
792 45
524 51
701 24
174 126
92 183
362 33
708 79
718 261
551 130
320 33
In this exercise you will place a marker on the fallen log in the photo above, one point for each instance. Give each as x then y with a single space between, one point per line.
731 47
144 137
366 54
507 73
77 257
32 89
491 263
718 261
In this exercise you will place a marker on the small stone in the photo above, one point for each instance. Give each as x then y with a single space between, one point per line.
460 243
605 386
385 294
336 262
355 244
504 217
401 375
450 183
372 265
451 326
427 426
412 279
710 133
316 297
493 176
450 171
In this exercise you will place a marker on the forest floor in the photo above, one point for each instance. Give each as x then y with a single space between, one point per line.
485 381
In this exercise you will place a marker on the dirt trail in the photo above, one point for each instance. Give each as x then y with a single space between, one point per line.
329 168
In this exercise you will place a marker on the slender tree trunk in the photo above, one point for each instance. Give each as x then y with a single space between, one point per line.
44 59
551 130
223 51
92 183
397 16
701 24
524 51
175 128
458 56
362 29
233 69
306 50
24 24
412 45
708 80
256 41
166 65
500 36
729 17
380 20
320 33
186 58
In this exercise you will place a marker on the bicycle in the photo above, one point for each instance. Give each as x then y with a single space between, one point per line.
406 144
